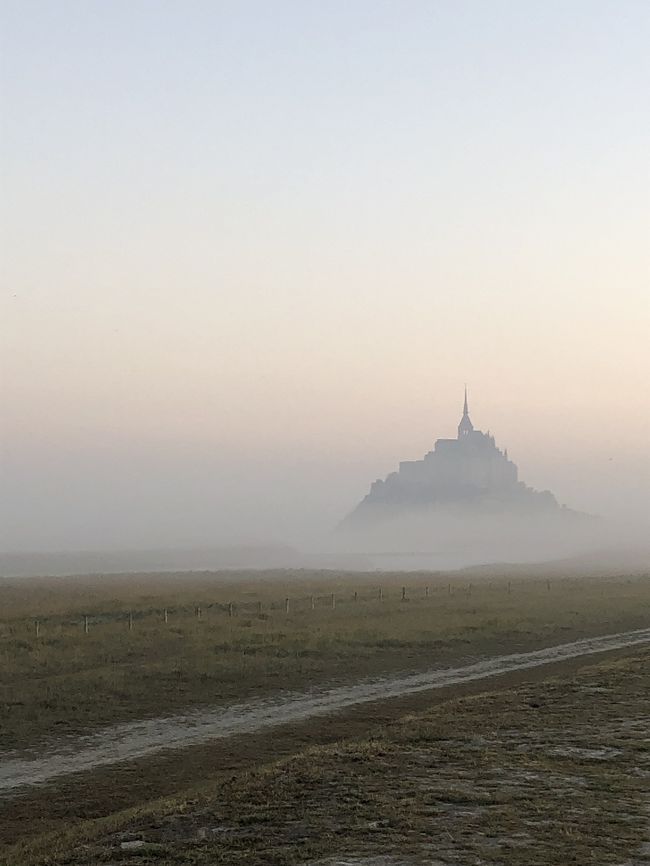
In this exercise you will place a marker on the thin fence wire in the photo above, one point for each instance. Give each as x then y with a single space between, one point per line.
206 612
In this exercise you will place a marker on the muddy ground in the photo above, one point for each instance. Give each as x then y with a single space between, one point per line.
550 772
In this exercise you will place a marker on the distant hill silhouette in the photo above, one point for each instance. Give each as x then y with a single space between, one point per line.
468 474
462 503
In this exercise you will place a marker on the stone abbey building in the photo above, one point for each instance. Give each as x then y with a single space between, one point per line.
468 471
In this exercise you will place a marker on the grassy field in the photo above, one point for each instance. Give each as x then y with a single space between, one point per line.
133 664
551 772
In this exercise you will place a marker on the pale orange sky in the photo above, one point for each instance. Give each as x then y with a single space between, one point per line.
273 266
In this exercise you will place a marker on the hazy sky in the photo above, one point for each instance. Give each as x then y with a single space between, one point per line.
251 251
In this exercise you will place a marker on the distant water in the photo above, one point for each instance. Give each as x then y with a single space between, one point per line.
163 560
421 561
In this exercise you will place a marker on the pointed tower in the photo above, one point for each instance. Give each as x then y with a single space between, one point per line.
465 427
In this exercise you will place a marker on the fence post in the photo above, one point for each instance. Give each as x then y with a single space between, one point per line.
286 605
313 602
548 585
333 601
426 592
165 615
356 595
259 608
403 593
85 625
230 609
130 621
448 589
509 587
381 594
37 627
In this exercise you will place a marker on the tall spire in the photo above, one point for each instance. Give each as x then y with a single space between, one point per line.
465 427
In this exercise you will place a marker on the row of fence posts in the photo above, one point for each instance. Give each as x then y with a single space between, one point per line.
287 605
312 602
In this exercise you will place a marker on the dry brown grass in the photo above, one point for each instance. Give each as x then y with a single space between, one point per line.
66 681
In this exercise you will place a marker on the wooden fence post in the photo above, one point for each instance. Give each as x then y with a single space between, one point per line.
403 593
165 615
509 587
230 609
313 602
130 621
426 592
259 608
448 589
37 627
356 595
333 601
381 594
85 625
286 605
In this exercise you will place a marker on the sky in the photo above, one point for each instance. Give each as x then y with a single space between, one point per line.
251 252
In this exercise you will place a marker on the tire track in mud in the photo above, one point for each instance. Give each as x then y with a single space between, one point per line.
128 741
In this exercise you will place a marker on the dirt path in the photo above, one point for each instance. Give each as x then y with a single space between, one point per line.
136 740
551 772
